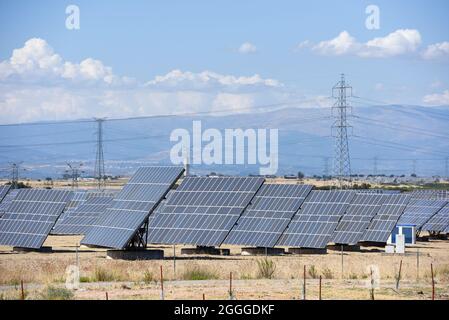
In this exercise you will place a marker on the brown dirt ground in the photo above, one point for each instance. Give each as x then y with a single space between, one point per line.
140 279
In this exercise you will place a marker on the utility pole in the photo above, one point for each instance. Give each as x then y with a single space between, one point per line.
326 161
75 170
99 172
375 160
15 175
446 169
342 163
414 167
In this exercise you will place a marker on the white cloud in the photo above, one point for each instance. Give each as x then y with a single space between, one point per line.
437 51
38 84
437 99
344 43
36 61
208 79
247 47
397 43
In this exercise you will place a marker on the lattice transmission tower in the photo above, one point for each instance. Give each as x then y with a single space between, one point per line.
99 172
340 110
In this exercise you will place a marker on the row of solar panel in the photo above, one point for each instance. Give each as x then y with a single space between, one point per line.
215 210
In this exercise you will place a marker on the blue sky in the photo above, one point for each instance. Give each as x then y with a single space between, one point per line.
141 40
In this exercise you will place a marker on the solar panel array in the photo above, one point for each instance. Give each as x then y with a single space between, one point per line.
6 201
439 222
314 224
386 218
270 212
116 227
429 194
418 211
30 217
202 210
378 191
78 220
357 218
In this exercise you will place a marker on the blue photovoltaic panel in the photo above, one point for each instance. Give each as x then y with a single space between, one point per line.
78 220
202 210
418 212
3 191
30 217
429 194
357 218
439 222
270 212
386 218
7 200
377 191
116 227
313 225
80 197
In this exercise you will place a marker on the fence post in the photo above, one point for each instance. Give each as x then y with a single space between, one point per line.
342 265
107 296
304 284
162 285
231 294
22 290
320 290
174 261
398 278
433 282
417 265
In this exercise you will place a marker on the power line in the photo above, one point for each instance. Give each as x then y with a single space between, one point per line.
211 112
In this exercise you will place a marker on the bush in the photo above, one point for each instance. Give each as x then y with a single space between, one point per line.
55 293
327 273
313 273
265 268
148 277
198 273
103 275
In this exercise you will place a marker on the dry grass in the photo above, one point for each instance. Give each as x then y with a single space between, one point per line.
49 269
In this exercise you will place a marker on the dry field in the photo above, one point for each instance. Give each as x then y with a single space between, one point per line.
191 277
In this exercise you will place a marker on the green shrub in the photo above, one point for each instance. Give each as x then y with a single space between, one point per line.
56 293
313 273
327 273
103 275
198 273
148 277
266 268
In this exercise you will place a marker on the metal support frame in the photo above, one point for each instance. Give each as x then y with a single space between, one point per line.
139 241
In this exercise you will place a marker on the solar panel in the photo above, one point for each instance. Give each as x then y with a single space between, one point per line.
30 217
386 218
78 220
116 227
315 222
418 212
270 212
439 222
7 200
357 218
79 198
3 191
202 210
